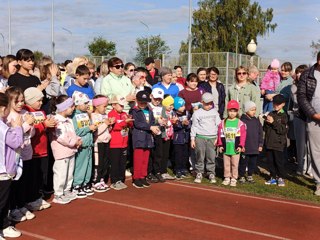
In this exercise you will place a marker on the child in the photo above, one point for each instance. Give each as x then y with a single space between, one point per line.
83 159
21 188
11 141
37 172
81 82
269 83
143 128
156 156
167 134
204 128
119 142
181 136
275 128
254 142
231 141
64 146
101 143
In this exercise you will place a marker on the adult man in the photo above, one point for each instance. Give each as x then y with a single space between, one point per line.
308 95
153 75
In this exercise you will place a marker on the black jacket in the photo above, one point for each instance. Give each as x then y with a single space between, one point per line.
181 133
156 79
306 88
276 132
206 87
141 133
254 138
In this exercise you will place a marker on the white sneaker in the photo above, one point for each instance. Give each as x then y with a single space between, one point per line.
167 176
61 200
34 206
29 215
198 178
233 182
44 204
123 185
212 178
71 195
128 173
226 181
2 238
17 216
11 232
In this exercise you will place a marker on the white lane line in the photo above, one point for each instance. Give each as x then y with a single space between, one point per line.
188 185
189 218
35 235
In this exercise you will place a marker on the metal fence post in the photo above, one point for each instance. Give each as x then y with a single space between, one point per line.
227 72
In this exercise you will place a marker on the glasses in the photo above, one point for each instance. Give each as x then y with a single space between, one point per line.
241 73
118 66
131 70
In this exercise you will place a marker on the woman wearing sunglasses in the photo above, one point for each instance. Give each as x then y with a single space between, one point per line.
129 69
116 83
243 91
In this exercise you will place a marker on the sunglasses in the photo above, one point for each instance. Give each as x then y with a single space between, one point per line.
241 73
131 70
118 66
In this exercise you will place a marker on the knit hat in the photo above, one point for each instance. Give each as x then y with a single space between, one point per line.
233 104
275 63
207 97
248 105
164 71
118 99
167 101
157 93
178 103
279 99
32 94
80 98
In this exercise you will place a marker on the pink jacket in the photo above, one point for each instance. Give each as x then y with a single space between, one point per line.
240 136
102 134
28 133
270 81
64 138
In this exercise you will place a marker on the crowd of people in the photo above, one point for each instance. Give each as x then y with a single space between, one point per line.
73 129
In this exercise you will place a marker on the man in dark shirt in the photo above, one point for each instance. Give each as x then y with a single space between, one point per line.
153 75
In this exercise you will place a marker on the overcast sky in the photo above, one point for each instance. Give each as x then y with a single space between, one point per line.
119 21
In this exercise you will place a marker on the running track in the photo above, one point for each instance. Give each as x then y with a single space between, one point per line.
175 210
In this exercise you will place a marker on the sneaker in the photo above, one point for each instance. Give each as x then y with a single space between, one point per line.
185 173
212 178
179 176
29 215
226 181
34 206
44 204
80 192
144 182
71 195
88 190
152 178
250 179
17 216
61 199
161 179
242 180
198 178
233 182
2 238
281 182
272 181
123 185
317 191
167 176
11 232
128 173
117 186
137 183
99 187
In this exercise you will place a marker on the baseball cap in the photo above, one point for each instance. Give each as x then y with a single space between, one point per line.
143 96
278 99
80 98
118 99
157 93
207 97
233 104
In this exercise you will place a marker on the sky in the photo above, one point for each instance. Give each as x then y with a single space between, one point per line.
119 21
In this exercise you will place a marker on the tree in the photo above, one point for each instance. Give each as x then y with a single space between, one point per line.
38 55
101 47
157 46
217 23
315 47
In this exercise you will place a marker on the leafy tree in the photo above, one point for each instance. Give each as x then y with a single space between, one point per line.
101 47
315 47
157 46
38 55
217 23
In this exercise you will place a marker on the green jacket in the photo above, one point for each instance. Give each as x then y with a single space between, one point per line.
248 92
83 132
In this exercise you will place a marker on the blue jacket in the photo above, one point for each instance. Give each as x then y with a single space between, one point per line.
181 133
173 89
87 89
141 133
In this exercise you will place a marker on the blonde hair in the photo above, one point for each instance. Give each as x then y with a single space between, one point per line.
5 62
104 70
77 61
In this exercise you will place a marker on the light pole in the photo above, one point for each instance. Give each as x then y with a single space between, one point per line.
4 49
252 47
68 31
9 42
148 36
52 30
190 37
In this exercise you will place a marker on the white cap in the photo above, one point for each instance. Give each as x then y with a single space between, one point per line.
157 93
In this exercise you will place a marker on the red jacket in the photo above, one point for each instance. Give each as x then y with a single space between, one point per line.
39 141
120 130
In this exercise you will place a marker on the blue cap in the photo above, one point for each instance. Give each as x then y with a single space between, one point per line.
178 103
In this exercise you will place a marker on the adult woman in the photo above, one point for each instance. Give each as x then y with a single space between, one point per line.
129 68
202 75
71 70
216 89
166 82
175 79
116 83
9 68
104 70
243 91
